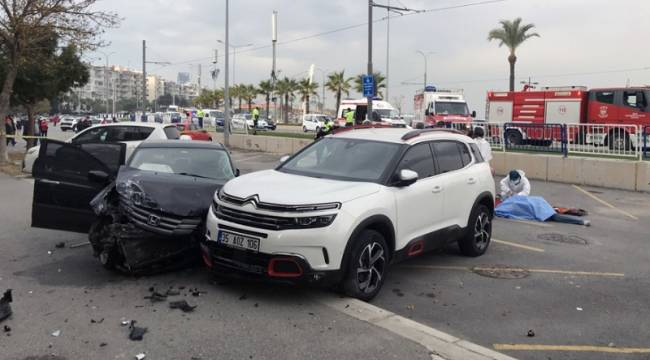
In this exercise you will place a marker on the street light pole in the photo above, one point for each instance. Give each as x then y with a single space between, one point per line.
226 91
106 88
425 56
369 98
234 54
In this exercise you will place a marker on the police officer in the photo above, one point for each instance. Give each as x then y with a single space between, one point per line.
200 114
326 130
256 117
349 117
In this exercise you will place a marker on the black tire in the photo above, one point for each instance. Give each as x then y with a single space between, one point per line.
479 232
618 141
367 265
514 137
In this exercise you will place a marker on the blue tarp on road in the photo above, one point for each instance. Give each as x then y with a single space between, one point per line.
525 208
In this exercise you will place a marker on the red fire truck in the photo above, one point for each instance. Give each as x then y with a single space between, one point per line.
598 116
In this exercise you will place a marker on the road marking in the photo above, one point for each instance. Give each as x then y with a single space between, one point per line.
514 269
583 348
605 202
525 247
528 222
440 344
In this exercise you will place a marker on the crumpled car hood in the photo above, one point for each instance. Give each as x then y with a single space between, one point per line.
180 195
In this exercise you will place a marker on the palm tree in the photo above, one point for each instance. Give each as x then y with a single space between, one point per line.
285 88
380 83
512 34
338 84
237 92
306 88
265 88
250 93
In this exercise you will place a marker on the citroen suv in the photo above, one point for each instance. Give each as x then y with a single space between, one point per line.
347 206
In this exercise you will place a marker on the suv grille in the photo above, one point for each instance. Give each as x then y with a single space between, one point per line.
253 220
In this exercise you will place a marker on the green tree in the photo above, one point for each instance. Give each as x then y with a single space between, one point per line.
24 23
237 92
380 83
306 89
250 92
338 84
265 88
512 34
285 88
46 75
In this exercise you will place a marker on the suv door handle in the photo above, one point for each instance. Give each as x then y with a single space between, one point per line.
436 189
471 180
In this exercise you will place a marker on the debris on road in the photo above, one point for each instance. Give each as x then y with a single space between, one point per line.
136 333
6 329
140 356
103 344
183 305
125 322
93 321
579 308
5 308
243 297
172 292
60 245
531 333
56 333
156 297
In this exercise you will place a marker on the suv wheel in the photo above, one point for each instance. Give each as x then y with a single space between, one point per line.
367 266
479 232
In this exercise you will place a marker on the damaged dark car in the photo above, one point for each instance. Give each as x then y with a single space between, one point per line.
143 217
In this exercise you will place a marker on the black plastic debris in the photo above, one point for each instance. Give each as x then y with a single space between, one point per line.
6 329
103 344
182 305
5 308
243 297
172 292
196 292
93 321
531 333
60 245
156 297
136 333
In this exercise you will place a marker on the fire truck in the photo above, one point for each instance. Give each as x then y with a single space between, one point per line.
433 105
598 116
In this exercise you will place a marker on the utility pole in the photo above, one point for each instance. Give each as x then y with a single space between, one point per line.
369 98
387 50
226 92
199 79
214 72
144 80
274 77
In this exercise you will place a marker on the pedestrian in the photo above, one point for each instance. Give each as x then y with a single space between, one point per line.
10 130
43 126
515 183
200 114
483 146
132 116
256 118
349 117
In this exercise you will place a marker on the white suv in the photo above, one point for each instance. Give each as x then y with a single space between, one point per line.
345 207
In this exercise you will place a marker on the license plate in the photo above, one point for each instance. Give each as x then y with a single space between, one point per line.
238 241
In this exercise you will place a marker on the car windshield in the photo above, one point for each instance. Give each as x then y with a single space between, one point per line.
343 159
451 108
205 163
322 118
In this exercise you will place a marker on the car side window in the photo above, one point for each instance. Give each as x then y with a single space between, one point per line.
98 134
477 153
464 154
172 133
606 97
419 159
447 155
124 133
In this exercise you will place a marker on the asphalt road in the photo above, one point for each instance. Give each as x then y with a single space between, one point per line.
583 291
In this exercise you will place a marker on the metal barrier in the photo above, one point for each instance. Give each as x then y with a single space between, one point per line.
646 142
607 140
547 138
492 132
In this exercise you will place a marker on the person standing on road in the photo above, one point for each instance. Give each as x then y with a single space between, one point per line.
10 130
515 183
200 114
349 117
483 146
43 126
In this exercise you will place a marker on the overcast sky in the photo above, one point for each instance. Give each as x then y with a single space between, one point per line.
583 42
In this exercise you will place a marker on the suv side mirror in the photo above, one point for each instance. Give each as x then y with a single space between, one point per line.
406 177
98 176
473 113
284 158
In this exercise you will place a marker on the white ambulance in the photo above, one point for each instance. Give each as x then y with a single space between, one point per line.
385 112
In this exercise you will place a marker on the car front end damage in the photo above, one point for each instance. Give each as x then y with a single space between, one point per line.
136 233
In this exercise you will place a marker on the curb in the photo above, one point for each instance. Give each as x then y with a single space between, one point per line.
441 345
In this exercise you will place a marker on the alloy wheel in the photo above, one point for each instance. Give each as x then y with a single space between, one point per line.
370 270
482 230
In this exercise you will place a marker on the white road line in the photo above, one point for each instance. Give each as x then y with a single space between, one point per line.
527 222
517 245
440 344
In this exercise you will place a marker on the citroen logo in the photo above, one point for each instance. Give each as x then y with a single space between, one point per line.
253 200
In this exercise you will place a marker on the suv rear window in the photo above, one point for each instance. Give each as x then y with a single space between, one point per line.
448 156
172 132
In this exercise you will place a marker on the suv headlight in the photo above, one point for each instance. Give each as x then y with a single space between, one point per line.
314 221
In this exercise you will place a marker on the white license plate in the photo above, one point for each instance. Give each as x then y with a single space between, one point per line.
238 241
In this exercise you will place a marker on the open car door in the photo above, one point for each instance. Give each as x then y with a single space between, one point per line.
67 177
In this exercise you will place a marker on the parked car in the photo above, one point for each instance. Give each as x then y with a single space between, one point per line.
345 207
270 125
146 216
238 121
314 122
130 133
193 131
214 118
68 123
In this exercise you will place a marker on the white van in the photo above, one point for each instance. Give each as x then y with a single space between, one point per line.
385 112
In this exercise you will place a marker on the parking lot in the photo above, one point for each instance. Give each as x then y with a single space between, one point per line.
582 291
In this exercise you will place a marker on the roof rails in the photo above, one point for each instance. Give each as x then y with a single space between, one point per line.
361 127
417 132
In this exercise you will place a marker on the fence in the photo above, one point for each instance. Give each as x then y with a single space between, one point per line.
646 142
492 132
547 138
611 140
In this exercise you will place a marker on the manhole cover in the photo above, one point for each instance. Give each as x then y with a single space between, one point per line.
501 272
567 239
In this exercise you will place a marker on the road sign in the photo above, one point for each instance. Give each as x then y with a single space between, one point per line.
368 86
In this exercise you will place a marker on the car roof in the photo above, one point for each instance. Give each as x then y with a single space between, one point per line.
396 135
185 144
138 124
